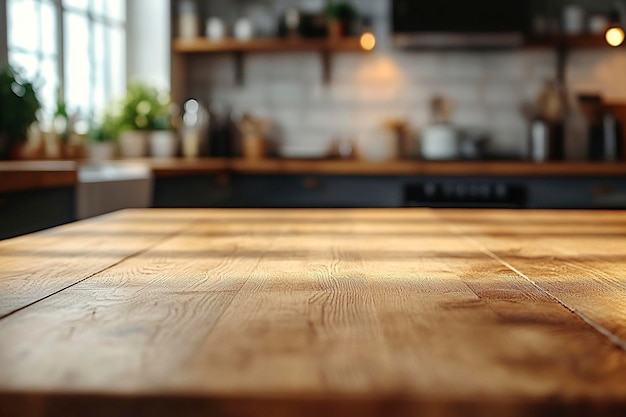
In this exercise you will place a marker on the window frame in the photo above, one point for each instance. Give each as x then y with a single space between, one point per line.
93 18
4 36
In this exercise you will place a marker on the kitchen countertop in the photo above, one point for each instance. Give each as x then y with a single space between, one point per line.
317 313
32 175
400 167
28 175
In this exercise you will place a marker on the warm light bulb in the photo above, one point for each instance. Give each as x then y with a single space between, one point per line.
368 41
615 36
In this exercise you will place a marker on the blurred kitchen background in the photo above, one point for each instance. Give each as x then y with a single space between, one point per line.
319 103
486 87
83 53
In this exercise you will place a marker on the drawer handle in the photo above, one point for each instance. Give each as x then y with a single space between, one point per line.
310 183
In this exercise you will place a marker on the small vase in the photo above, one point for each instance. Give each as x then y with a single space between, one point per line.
163 144
133 144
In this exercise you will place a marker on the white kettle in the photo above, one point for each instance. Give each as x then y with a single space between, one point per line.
440 140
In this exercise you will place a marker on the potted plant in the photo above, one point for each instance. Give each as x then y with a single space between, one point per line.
143 114
163 139
18 110
339 17
102 137
56 138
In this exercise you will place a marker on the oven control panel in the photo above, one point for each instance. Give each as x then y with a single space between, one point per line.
465 194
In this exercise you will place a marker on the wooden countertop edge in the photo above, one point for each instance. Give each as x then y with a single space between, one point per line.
198 404
386 168
32 175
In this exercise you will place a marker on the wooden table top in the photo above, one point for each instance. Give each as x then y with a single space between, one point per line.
317 313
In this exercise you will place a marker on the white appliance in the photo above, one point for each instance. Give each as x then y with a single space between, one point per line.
103 188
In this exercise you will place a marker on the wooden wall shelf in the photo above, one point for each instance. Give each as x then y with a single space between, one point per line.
325 47
563 45
206 46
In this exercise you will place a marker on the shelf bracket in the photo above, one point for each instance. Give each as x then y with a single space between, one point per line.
239 68
326 67
562 54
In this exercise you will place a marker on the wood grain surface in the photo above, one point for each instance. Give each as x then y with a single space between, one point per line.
36 266
409 312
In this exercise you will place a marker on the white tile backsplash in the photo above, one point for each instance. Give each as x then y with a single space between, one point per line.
258 68
500 92
460 92
486 87
420 66
470 117
463 66
506 66
286 92
540 65
378 94
345 94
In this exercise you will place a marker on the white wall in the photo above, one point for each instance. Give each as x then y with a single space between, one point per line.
148 48
3 35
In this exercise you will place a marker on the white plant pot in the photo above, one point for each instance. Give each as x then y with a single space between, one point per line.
133 144
100 151
163 144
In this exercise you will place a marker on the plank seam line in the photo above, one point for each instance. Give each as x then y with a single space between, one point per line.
596 326
113 265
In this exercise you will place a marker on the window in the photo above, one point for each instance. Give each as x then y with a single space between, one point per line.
75 49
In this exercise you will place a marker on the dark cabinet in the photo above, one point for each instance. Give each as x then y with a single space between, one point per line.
30 211
351 191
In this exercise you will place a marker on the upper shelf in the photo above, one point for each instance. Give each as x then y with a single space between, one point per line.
204 45
353 44
326 46
229 45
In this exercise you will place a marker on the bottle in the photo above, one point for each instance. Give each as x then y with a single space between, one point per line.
188 21
552 109
195 123
221 130
539 140
605 139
